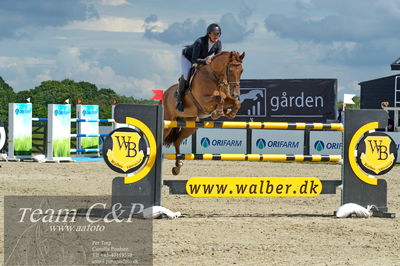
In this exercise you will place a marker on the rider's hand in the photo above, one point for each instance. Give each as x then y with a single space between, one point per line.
208 60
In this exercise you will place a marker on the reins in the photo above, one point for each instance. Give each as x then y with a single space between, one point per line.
223 79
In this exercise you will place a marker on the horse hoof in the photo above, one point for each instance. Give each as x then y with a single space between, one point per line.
214 115
180 164
175 170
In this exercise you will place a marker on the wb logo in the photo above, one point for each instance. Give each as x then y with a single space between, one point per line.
377 146
125 153
377 153
125 143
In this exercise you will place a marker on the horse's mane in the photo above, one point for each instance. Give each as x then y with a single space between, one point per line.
224 53
220 54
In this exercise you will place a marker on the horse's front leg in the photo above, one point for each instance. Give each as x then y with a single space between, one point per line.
219 110
231 113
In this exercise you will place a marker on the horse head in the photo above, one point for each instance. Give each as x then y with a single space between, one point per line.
234 72
228 66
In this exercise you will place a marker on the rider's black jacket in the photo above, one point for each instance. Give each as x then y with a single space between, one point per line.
198 51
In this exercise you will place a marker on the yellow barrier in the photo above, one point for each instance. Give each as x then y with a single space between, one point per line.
253 125
254 157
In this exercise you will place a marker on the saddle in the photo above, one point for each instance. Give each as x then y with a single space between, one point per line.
188 88
193 70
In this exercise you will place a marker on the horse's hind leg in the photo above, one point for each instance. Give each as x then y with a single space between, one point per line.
183 134
178 163
166 133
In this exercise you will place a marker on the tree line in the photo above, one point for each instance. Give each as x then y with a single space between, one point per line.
56 92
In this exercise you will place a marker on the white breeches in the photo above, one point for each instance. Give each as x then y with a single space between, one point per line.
186 65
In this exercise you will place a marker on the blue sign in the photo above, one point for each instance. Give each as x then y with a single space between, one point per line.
261 143
205 142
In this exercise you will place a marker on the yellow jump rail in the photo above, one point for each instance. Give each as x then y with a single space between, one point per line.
253 125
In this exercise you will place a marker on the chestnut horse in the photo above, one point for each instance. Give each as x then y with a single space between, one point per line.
214 91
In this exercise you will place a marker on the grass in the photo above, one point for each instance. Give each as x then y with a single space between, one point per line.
62 147
23 146
90 142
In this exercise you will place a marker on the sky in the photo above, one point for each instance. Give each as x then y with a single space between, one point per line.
134 46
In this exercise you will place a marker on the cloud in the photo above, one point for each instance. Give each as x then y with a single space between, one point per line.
17 17
9 62
329 28
162 65
363 54
151 18
112 24
245 13
20 71
70 65
125 63
93 66
341 21
114 2
233 29
177 32
352 33
43 76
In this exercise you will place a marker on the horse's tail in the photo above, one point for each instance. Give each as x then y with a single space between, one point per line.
172 137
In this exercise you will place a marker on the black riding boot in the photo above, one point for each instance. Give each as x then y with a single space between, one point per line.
179 93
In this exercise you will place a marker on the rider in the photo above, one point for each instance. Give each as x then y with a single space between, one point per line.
198 53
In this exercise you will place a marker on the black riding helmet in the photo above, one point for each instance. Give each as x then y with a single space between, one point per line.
214 28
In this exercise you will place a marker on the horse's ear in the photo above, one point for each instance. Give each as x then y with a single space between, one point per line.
242 56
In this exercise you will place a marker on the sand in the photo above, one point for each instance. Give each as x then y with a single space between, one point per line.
235 231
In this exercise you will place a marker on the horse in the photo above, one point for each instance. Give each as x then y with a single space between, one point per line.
213 91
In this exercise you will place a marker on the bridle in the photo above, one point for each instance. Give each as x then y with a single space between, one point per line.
237 83
223 79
